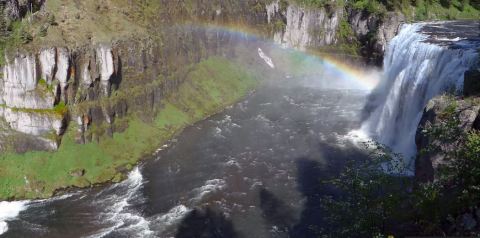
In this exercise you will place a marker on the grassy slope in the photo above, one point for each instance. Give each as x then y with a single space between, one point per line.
211 86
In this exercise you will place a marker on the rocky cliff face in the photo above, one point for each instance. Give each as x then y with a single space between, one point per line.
301 28
16 9
438 115
306 28
35 84
99 83
375 32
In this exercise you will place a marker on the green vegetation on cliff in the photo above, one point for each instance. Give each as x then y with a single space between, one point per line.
209 87
415 10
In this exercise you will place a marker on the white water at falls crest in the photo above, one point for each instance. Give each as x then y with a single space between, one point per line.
415 71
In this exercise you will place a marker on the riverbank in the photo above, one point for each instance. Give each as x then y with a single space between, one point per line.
210 86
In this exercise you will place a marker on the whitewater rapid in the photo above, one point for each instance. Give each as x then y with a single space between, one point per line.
8 211
416 69
116 213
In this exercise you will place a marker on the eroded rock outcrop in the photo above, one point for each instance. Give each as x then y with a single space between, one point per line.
303 27
33 123
62 65
375 32
16 9
106 67
272 9
386 30
36 86
47 60
18 86
437 115
300 27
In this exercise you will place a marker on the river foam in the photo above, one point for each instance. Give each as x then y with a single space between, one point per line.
9 211
117 214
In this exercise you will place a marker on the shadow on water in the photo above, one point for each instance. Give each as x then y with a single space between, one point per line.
311 175
275 211
205 223
311 183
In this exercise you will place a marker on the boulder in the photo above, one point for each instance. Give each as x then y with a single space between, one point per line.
77 173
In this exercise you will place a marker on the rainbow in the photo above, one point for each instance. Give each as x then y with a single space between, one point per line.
364 77
358 75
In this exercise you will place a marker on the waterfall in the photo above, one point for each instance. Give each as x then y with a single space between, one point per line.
415 71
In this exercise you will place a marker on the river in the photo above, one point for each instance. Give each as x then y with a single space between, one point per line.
254 170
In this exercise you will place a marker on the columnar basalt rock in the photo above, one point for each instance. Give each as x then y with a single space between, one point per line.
105 66
31 82
85 72
373 32
47 58
62 73
18 86
386 30
272 9
306 28
301 28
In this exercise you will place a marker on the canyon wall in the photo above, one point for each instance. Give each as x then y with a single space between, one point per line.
99 83
304 28
301 28
50 87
